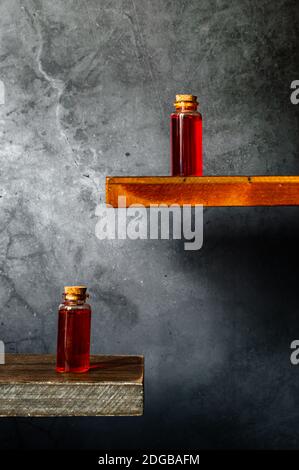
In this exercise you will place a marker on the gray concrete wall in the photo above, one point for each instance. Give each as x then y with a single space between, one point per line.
89 87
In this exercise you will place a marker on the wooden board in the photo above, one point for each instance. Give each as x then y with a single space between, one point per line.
30 386
214 191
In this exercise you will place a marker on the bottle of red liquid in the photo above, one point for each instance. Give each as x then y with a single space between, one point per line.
74 319
186 137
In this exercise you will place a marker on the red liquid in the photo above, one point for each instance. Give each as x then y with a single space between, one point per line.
186 143
73 345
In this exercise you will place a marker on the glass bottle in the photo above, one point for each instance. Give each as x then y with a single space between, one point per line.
186 137
73 341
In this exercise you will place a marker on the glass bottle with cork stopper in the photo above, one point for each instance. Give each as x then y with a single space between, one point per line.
186 137
73 340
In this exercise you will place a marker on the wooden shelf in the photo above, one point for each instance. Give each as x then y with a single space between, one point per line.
214 191
30 386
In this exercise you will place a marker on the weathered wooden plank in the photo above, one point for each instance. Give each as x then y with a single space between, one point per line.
30 386
214 191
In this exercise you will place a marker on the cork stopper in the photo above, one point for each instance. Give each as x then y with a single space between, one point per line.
186 101
75 292
191 98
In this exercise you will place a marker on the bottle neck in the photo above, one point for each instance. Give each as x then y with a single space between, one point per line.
73 300
183 107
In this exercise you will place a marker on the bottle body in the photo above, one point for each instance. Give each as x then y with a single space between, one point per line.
73 339
186 139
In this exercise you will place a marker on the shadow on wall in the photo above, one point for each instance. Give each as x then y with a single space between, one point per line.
250 260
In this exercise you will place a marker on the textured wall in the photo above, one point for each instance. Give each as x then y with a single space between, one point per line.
88 90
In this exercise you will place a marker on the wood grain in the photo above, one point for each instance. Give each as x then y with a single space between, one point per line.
30 386
213 191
